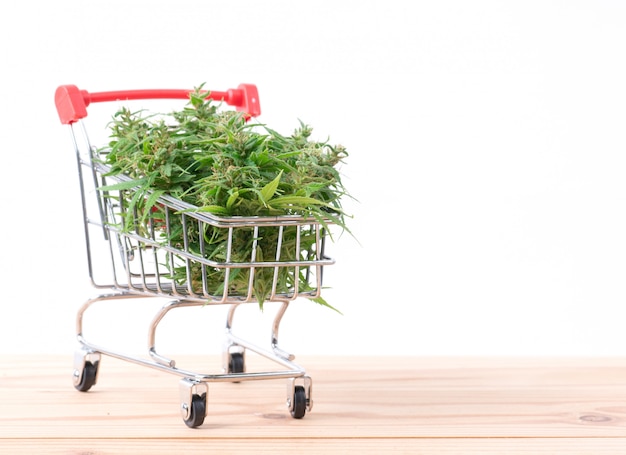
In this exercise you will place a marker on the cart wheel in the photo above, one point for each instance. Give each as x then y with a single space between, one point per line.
88 377
237 363
197 411
299 402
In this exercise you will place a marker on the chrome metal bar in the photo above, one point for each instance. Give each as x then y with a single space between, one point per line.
230 316
229 247
296 271
275 326
255 245
279 245
102 297
154 324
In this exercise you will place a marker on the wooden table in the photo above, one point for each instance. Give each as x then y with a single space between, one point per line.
363 405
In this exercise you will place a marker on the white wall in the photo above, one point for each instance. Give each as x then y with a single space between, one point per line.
487 152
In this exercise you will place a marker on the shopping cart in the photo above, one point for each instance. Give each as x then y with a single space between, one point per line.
136 261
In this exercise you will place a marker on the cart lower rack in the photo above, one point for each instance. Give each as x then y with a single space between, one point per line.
166 255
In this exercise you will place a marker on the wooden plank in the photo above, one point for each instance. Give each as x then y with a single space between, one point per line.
369 403
372 446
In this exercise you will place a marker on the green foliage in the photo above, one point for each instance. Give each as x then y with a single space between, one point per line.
223 164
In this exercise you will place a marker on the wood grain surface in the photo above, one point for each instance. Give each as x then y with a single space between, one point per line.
361 405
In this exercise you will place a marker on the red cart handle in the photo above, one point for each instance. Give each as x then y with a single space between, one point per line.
72 103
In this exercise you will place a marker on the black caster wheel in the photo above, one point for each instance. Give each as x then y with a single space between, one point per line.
197 411
236 363
298 409
88 376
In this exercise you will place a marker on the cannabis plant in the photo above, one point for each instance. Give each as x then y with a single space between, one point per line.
221 162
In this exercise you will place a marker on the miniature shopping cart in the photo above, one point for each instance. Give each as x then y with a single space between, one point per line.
135 260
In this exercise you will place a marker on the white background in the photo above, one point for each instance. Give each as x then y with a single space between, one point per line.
487 152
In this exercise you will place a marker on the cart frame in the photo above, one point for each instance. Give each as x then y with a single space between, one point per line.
146 279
